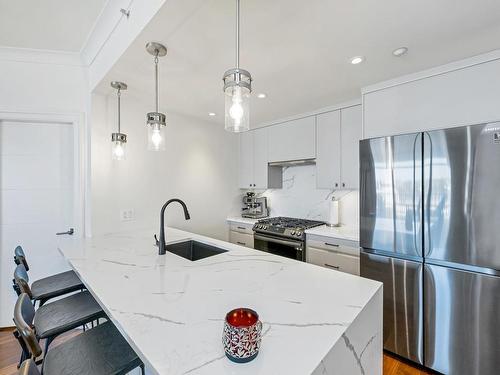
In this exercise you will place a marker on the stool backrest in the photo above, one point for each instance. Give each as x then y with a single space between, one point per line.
28 367
20 257
23 317
22 280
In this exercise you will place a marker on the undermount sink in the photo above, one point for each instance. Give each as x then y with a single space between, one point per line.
194 250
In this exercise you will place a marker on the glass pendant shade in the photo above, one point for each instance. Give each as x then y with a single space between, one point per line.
237 109
118 146
156 131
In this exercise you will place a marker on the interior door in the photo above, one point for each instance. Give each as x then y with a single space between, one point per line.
402 280
390 195
36 200
461 321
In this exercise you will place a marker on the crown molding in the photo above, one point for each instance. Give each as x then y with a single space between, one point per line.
38 56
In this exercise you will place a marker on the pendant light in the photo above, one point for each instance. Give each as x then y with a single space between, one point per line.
237 89
156 120
119 139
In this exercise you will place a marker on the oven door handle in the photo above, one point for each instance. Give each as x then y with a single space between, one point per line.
278 241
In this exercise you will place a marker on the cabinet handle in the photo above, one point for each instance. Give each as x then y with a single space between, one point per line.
332 244
241 228
343 184
336 184
241 243
330 266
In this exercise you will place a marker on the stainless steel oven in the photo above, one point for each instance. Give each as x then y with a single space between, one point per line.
286 247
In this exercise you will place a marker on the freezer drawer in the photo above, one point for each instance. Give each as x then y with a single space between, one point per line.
461 316
402 302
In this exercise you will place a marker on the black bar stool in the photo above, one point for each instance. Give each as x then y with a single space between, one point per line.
99 351
48 287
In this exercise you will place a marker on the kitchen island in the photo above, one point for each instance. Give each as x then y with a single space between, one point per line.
171 310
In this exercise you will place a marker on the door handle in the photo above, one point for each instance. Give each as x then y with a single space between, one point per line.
70 232
241 243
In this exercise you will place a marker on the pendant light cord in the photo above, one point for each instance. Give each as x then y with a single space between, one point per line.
119 94
157 82
237 34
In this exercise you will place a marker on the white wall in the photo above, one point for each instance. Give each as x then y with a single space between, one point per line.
54 85
199 167
462 93
300 198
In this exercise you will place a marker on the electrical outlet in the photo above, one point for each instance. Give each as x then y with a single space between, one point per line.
127 214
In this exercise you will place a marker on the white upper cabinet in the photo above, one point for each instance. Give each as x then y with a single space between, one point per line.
328 150
253 159
246 160
260 149
338 135
350 134
293 140
428 100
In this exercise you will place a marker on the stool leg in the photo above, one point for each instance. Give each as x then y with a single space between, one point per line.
143 372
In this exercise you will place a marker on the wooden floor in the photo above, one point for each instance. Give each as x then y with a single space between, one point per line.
10 352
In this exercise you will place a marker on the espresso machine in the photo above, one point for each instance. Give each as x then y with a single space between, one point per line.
255 207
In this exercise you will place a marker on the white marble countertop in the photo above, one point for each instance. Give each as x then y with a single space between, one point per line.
342 232
171 310
241 220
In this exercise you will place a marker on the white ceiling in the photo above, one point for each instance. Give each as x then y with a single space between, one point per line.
298 51
57 25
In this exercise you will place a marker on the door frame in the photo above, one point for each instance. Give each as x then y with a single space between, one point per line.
81 167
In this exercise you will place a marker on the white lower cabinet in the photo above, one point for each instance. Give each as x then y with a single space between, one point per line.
336 254
241 233
330 259
241 239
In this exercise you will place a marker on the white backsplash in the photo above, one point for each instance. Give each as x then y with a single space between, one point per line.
300 198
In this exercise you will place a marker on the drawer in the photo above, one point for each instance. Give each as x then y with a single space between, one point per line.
333 260
242 228
241 239
333 244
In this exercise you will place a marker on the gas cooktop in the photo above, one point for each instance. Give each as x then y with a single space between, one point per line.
285 226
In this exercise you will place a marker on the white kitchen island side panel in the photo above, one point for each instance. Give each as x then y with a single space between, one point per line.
363 352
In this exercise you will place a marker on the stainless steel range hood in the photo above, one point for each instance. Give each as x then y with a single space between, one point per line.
292 163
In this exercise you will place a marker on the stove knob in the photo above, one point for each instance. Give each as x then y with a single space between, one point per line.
299 233
293 232
265 226
261 226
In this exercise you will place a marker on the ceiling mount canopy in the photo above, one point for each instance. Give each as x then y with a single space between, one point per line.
156 121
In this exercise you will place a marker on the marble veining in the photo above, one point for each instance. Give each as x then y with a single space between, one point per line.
299 197
171 310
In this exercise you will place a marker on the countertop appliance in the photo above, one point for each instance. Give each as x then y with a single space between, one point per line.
283 236
430 231
255 207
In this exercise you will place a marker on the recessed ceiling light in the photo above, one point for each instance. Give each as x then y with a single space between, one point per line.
357 60
211 114
261 95
398 52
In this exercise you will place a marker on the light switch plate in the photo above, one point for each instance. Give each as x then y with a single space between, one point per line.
127 214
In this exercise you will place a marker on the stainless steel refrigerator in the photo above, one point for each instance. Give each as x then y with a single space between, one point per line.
430 231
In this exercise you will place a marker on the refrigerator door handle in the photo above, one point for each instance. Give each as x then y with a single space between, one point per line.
415 242
427 199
